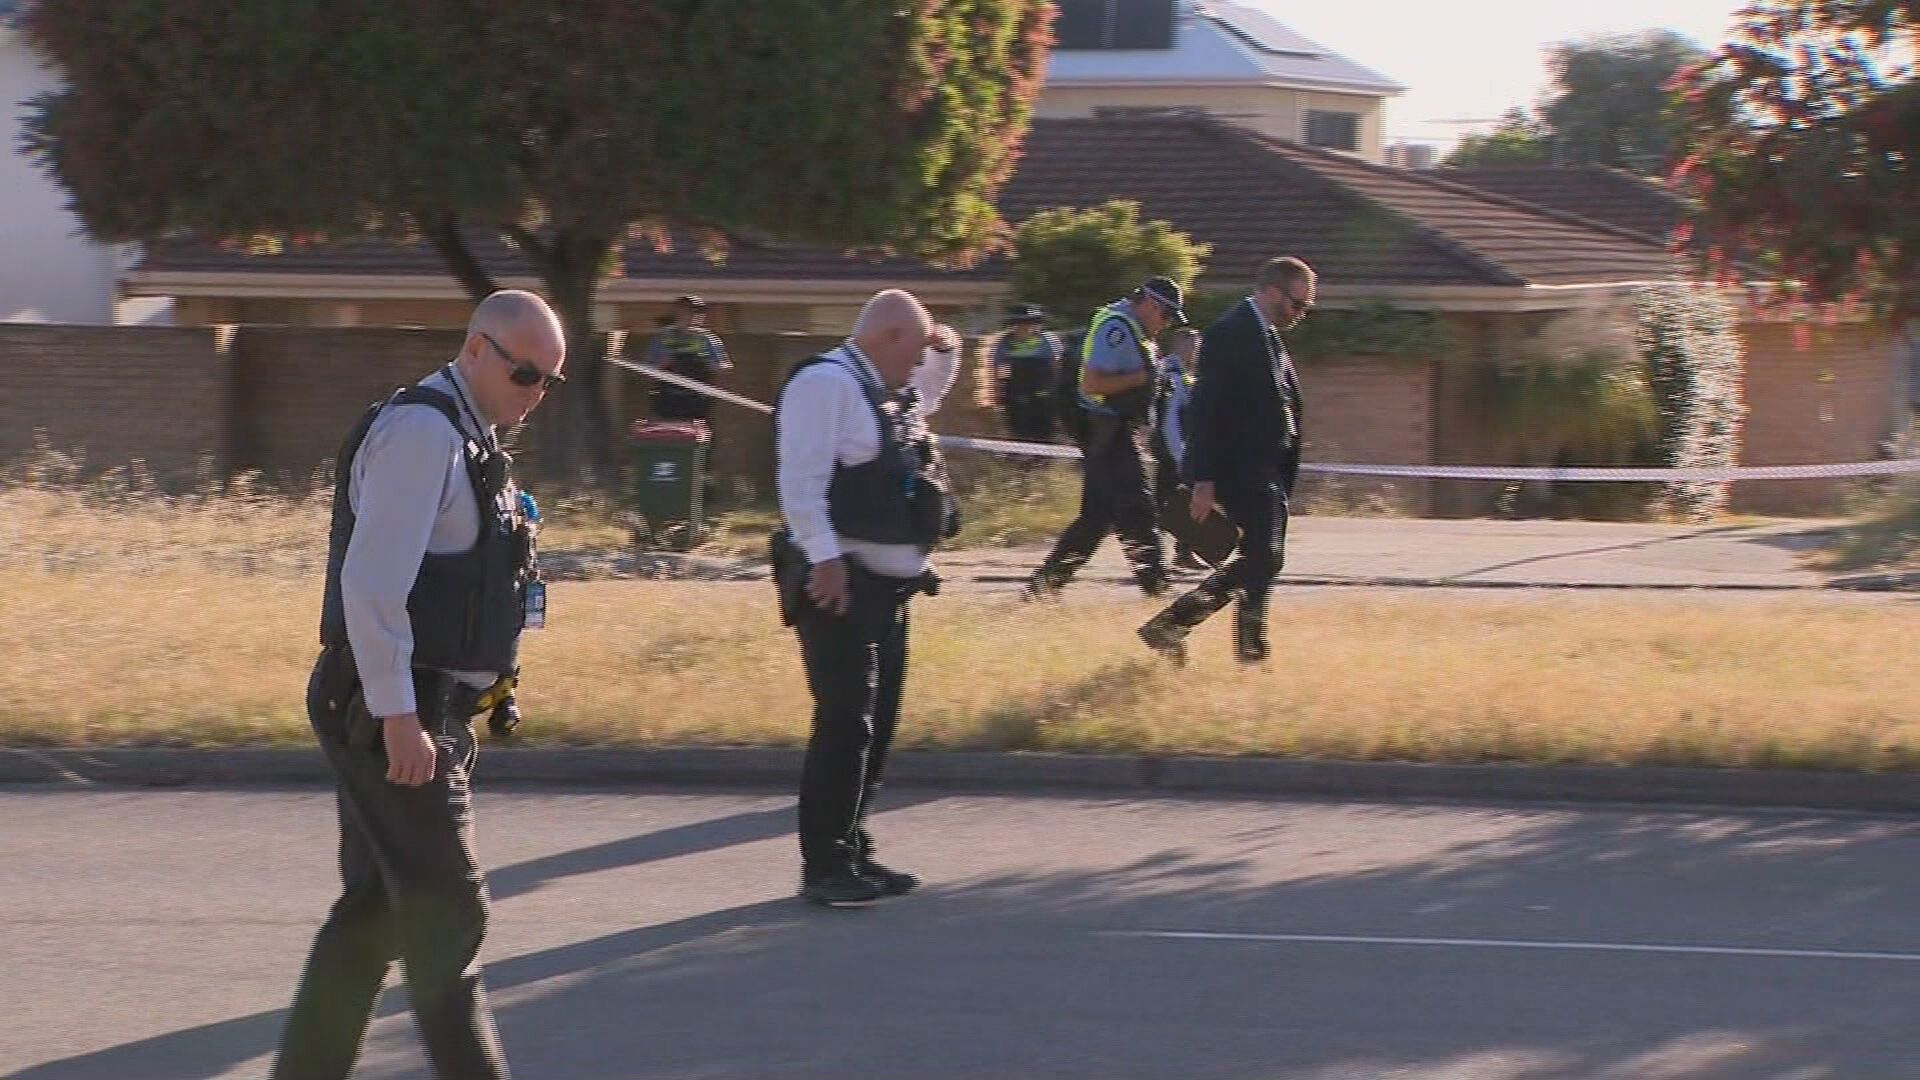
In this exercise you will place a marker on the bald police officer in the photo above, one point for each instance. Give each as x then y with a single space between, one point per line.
1118 371
864 497
430 581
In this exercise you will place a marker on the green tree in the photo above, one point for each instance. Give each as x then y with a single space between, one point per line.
1800 136
1518 140
1610 103
1071 261
566 127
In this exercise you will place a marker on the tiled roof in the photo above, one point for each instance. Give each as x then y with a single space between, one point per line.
1213 42
1602 194
1249 196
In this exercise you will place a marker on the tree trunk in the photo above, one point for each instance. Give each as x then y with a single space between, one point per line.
582 438
443 232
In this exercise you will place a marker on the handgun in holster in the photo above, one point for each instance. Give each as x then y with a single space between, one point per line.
790 570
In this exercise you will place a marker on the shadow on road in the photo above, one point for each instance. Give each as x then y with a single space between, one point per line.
1015 975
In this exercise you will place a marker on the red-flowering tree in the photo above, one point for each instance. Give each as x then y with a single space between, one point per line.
1801 133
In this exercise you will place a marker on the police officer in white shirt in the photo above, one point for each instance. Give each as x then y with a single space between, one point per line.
431 578
864 496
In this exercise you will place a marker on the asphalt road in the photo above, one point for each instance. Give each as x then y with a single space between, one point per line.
157 934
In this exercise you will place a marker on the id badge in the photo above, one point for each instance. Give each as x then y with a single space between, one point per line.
536 614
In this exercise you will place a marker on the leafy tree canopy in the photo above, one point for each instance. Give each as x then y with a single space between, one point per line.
565 126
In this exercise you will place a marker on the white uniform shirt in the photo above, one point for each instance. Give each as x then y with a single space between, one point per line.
410 496
825 419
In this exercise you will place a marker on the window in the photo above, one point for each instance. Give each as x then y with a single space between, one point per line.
1333 130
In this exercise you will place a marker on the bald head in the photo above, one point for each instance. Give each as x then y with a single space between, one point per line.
894 330
511 330
512 312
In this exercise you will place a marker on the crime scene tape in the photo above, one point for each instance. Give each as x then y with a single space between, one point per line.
1577 474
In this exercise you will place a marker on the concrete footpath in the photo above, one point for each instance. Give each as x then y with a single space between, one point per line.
1335 551
1140 775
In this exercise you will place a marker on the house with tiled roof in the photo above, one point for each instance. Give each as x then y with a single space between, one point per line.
1375 233
1636 203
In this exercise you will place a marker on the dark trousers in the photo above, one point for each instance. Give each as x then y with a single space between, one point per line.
856 670
1259 508
411 892
1029 414
1116 496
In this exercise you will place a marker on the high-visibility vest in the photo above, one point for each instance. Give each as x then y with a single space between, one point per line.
1127 398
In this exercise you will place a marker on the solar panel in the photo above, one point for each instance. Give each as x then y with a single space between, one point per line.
1142 24
1079 24
1086 25
1262 31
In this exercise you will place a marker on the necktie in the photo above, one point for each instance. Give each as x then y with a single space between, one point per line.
1283 380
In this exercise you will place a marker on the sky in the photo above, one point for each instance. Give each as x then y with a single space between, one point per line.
1474 59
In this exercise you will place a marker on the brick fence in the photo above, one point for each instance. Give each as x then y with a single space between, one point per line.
277 400
116 395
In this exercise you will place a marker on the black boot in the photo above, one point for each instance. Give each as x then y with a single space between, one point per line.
1250 631
1166 633
892 882
838 884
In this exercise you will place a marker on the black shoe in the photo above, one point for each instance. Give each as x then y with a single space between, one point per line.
891 882
1042 588
1187 560
1250 634
835 888
504 719
1166 637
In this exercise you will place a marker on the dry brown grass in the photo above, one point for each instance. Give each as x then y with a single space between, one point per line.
179 655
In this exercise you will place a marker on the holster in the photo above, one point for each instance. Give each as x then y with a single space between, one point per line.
790 569
871 597
338 706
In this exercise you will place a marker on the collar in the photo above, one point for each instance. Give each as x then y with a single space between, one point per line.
863 367
470 405
1266 327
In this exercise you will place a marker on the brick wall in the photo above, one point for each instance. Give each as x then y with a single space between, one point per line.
116 394
298 389
1832 401
1371 410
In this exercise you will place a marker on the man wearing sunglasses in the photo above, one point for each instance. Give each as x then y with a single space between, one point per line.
1242 456
430 580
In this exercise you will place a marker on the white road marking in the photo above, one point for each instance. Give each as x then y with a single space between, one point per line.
1496 943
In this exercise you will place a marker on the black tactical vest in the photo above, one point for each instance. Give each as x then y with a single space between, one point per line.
467 609
902 496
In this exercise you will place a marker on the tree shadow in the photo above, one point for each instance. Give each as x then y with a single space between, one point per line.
1032 967
1798 542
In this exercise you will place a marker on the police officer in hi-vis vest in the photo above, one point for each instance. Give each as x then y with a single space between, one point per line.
431 577
1026 364
865 497
1118 372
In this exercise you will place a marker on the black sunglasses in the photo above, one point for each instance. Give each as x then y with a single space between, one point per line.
523 373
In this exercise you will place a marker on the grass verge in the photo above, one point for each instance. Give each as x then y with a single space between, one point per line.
179 657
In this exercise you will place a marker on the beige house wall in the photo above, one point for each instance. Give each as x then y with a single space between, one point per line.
1269 110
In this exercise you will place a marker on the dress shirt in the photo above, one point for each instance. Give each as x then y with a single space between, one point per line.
824 421
411 496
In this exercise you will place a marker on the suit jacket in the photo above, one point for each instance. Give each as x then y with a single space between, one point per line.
1244 422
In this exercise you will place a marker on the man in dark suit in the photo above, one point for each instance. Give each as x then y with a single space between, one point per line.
1243 453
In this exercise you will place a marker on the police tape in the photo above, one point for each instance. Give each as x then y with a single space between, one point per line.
1573 474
